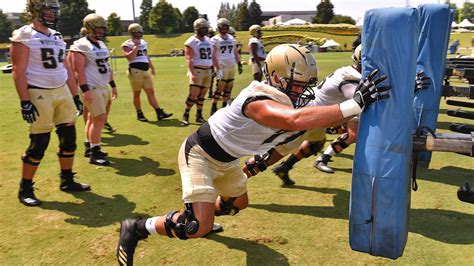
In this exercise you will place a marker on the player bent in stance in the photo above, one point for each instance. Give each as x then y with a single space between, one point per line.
198 52
90 57
261 116
226 55
139 64
257 52
40 74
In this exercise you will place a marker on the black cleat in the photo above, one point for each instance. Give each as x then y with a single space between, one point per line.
109 127
141 117
98 157
161 114
69 185
87 153
27 196
200 119
128 241
213 109
281 171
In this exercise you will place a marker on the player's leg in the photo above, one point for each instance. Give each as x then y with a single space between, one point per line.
227 92
217 94
98 116
337 146
107 125
150 93
205 83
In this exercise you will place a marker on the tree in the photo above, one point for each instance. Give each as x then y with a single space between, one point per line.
242 18
146 7
232 16
468 11
455 10
190 14
255 13
72 14
324 12
179 20
6 27
163 18
337 19
114 27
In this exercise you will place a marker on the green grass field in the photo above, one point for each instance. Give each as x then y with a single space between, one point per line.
303 225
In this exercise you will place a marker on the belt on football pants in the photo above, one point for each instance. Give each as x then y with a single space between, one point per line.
207 142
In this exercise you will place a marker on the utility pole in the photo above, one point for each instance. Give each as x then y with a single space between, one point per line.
133 10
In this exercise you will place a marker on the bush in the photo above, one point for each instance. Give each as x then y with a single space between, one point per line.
336 29
291 38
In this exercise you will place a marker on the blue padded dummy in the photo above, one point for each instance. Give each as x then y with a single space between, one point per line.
380 193
435 25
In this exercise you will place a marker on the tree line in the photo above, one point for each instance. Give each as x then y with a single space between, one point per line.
163 18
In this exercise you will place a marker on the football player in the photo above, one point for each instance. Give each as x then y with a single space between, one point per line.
40 74
90 57
260 117
226 55
198 51
136 52
257 51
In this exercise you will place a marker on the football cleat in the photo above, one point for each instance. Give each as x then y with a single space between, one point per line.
128 241
200 119
27 196
161 114
185 121
321 164
213 109
141 117
281 171
69 185
109 127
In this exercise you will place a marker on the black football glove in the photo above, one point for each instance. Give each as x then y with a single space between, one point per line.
368 92
422 81
79 105
241 69
29 111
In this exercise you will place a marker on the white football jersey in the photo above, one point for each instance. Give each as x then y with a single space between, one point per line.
202 50
97 67
46 58
142 53
241 136
225 49
337 87
261 50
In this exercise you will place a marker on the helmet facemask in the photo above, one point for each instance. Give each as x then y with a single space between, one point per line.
46 12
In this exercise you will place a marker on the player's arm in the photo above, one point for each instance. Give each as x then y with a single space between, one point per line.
237 59
113 85
130 53
19 54
152 67
215 59
189 54
253 51
79 62
71 80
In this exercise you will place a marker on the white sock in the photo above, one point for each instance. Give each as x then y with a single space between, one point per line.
150 225
94 145
329 151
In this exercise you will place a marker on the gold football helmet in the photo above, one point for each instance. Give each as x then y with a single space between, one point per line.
92 22
292 64
135 28
200 23
223 25
36 9
255 31
357 57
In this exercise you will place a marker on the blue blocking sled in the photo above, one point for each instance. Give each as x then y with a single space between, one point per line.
435 25
380 194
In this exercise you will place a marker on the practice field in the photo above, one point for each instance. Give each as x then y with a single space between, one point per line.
304 224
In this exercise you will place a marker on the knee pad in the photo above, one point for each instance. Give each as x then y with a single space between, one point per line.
67 140
217 95
185 225
227 207
190 101
200 101
340 143
258 165
38 145
227 93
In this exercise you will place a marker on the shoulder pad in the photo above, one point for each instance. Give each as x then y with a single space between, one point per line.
349 73
127 43
80 46
22 35
262 89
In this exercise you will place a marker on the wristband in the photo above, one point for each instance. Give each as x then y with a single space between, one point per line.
350 108
112 84
84 87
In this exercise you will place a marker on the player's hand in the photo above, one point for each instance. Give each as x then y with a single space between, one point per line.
153 73
422 81
87 96
193 78
29 111
136 42
114 93
79 105
368 92
219 74
240 67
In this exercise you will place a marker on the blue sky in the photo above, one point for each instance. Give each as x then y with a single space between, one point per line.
353 8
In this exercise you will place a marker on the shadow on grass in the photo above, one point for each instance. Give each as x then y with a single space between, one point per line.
120 140
450 175
169 122
139 167
442 225
95 210
257 253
